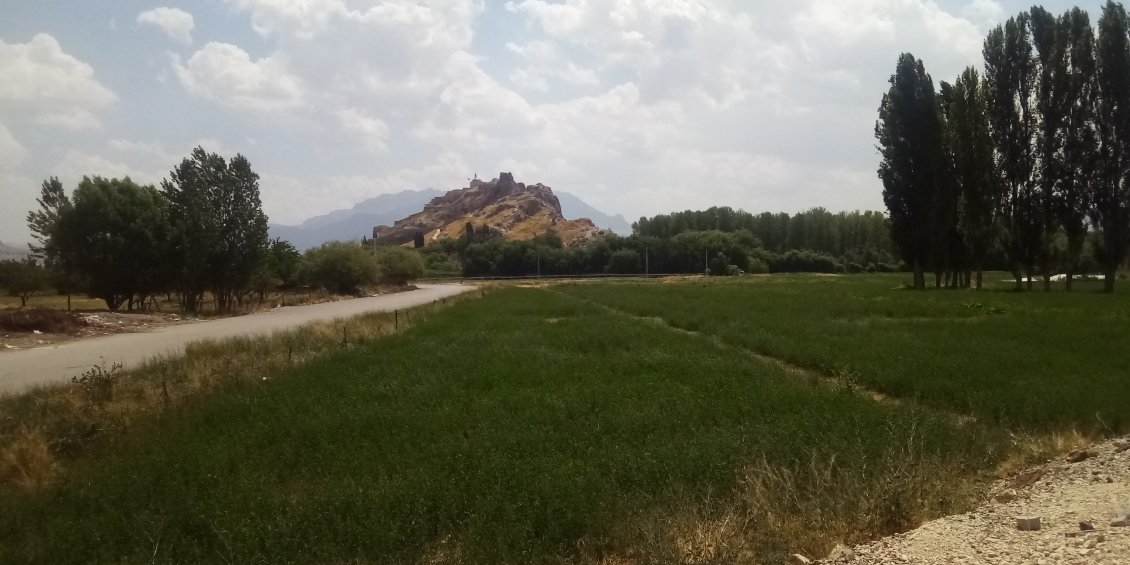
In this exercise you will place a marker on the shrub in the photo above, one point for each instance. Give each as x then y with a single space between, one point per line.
399 266
804 261
625 262
340 267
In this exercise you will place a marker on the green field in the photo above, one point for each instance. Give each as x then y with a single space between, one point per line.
574 424
1037 361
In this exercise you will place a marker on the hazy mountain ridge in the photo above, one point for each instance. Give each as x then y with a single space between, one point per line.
355 222
12 251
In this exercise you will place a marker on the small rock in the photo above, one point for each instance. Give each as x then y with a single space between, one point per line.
1005 497
1080 455
1028 524
798 559
1122 523
841 551
1122 448
1027 478
1086 526
1090 544
1084 552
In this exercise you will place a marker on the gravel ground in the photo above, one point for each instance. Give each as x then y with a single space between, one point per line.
1061 493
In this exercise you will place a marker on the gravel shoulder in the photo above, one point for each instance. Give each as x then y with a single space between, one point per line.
1062 494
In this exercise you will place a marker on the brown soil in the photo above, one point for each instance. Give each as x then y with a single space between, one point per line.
85 325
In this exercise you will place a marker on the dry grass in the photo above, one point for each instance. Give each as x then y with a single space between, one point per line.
1029 450
26 460
807 508
43 428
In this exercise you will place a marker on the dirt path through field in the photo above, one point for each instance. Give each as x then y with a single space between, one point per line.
20 370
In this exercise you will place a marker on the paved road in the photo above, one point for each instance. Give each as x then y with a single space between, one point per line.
20 370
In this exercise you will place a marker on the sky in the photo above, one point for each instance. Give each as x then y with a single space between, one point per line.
638 107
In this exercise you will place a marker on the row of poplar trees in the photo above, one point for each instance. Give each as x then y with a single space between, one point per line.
203 232
1034 148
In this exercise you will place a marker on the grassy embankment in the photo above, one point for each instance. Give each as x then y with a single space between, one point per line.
528 426
1027 361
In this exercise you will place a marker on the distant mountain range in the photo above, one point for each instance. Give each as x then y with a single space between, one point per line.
358 221
386 209
12 251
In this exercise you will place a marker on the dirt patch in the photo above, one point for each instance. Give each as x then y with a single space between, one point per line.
71 326
40 320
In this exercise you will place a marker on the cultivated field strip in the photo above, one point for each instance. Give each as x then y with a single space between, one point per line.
806 375
1038 363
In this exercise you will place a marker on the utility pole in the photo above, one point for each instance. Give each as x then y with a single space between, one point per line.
706 262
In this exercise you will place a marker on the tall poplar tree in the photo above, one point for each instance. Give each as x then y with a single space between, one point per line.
1111 210
1010 76
971 150
1074 193
1052 110
909 132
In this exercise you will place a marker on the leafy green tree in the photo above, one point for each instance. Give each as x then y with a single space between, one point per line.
1111 210
22 278
115 236
44 222
399 266
910 134
220 229
341 267
280 270
971 150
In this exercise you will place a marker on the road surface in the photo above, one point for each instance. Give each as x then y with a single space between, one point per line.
20 370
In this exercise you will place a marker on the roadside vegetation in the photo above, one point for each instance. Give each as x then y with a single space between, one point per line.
197 245
528 426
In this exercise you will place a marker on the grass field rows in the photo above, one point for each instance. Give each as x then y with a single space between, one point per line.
539 426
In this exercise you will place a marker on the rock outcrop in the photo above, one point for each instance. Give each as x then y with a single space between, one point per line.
515 210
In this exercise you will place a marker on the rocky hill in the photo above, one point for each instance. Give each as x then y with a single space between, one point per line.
514 209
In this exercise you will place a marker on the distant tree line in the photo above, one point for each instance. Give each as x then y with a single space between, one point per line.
201 237
719 241
1030 156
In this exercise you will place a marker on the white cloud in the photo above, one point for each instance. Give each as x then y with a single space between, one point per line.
51 86
545 62
176 23
226 74
984 13
77 164
373 132
12 153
